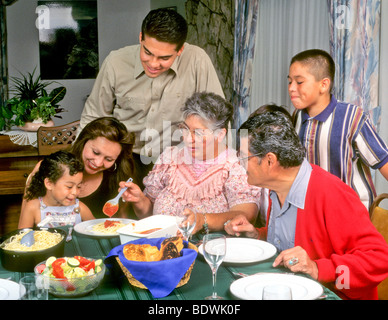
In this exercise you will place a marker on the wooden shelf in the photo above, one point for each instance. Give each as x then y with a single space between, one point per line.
16 163
10 149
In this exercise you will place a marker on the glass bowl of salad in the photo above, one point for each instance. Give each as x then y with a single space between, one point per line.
71 276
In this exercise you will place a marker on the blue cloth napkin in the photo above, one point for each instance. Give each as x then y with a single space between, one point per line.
160 277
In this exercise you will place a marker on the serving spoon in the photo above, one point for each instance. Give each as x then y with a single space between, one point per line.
28 239
111 206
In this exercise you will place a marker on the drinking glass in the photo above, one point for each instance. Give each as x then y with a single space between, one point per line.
33 288
186 224
277 292
214 250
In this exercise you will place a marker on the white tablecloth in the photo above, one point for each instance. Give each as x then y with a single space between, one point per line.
23 138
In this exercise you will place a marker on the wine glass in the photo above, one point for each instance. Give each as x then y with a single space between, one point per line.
186 224
277 292
214 250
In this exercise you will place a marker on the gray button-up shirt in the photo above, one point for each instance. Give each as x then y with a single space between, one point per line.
124 91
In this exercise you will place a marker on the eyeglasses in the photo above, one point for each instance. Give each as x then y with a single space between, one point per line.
199 133
244 160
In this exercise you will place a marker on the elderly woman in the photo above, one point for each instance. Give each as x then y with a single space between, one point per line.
201 174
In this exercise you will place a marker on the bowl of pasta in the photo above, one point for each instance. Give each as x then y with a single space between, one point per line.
18 257
70 277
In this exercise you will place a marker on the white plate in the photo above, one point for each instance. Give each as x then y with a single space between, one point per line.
244 250
251 287
9 290
86 227
165 227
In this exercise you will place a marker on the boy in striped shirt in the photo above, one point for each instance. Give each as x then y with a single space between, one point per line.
338 136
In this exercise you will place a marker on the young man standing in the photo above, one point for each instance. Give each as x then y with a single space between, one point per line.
146 85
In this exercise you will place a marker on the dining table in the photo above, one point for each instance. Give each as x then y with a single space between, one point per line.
115 285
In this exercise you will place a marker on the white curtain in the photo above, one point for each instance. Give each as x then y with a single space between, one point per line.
285 27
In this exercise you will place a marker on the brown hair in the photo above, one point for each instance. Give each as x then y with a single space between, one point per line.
115 131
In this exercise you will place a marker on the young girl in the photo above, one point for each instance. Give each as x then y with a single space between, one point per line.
53 192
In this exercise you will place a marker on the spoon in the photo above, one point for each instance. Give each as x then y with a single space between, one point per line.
28 239
111 206
44 221
69 235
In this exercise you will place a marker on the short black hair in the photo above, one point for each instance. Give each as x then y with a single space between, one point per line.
165 25
320 63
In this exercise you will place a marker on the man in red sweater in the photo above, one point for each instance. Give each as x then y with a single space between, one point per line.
318 223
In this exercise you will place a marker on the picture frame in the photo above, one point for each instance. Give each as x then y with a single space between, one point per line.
68 39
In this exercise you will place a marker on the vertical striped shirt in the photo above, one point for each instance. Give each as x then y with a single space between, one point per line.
343 141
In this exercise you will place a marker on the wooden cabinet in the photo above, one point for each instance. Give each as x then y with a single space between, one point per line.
16 163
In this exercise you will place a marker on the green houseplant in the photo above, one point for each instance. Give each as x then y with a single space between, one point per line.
31 102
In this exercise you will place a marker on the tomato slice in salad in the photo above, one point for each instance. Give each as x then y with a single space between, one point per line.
57 269
41 268
85 263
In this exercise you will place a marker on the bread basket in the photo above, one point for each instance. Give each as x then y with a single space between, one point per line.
133 281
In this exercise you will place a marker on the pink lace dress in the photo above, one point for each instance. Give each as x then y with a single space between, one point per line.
212 186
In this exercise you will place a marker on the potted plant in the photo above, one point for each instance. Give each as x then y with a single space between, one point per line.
31 102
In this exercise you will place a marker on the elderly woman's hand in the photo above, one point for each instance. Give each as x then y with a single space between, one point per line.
133 193
239 225
190 216
141 204
198 221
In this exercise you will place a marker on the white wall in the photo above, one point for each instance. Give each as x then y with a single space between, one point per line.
119 23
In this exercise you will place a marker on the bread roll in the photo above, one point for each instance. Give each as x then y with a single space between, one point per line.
176 240
142 252
169 249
